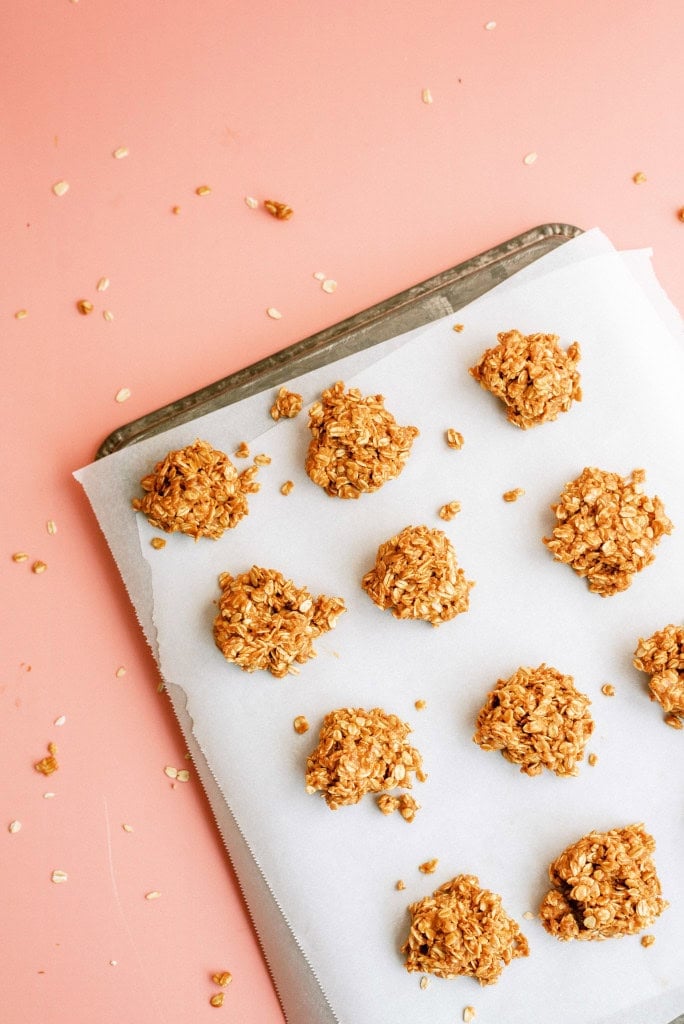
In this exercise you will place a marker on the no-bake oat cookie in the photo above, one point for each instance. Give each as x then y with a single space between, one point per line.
532 375
537 719
662 657
266 622
607 528
605 886
462 929
196 490
361 752
356 444
416 576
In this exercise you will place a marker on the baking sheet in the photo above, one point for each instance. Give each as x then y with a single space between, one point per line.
334 873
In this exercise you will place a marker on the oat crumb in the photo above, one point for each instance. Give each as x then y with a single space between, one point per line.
127 828
608 690
38 567
49 764
450 510
20 556
454 439
458 328
420 705
60 188
121 152
217 999
274 313
400 885
58 877
287 487
680 214
592 760
242 450
251 202
153 895
426 96
281 211
528 915
514 494
262 460
222 978
647 940
424 981
468 1011
21 314
14 827
85 307
428 867
122 395
639 178
287 404
158 543
674 721
301 724
103 284
203 190
121 671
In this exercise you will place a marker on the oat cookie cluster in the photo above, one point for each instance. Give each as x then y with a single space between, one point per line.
605 886
462 929
662 657
607 528
537 719
532 375
356 444
266 622
416 576
196 490
287 404
361 752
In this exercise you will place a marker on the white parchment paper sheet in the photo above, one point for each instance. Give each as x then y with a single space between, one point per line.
334 873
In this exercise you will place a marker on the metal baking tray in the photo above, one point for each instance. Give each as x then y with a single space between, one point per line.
439 296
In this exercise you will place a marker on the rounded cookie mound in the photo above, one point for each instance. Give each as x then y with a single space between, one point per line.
416 576
361 752
196 490
605 886
266 622
356 444
537 719
662 657
532 375
462 929
607 528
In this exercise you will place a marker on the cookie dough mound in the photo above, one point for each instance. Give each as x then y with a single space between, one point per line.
266 622
607 528
532 375
462 929
416 576
356 444
537 719
196 490
662 657
361 752
605 886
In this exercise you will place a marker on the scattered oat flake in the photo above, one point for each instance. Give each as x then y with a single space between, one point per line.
468 1014
121 671
490 26
217 999
203 190
529 158
251 202
401 885
262 460
242 451
48 796
39 567
107 315
287 487
639 178
103 284
528 915
59 876
21 314
171 771
112 963
608 690
424 982
51 527
428 867
60 721
593 759
85 307
450 510
420 705
320 276
274 313
458 328
301 724
183 775
426 96
153 895
158 543
14 827
454 439
647 940
60 188
281 211
514 494
127 828
120 152
175 210
222 978
20 556
329 286
122 395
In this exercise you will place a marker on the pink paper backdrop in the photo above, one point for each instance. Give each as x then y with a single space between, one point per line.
319 105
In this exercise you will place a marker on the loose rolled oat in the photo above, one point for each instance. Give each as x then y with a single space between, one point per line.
537 719
361 752
514 494
356 444
607 528
462 929
428 867
605 885
532 375
288 404
196 490
454 439
662 657
450 510
267 622
416 576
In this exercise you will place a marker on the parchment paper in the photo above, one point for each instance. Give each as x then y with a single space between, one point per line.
334 873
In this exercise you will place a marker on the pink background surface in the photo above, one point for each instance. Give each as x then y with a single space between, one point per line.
318 105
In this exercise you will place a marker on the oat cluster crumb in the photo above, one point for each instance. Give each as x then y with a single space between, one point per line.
532 375
158 543
401 885
356 444
608 690
287 404
450 510
287 487
537 719
242 450
281 211
514 494
416 576
48 765
361 752
196 490
301 724
454 439
605 885
662 657
428 867
266 621
607 528
647 940
406 804
462 929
